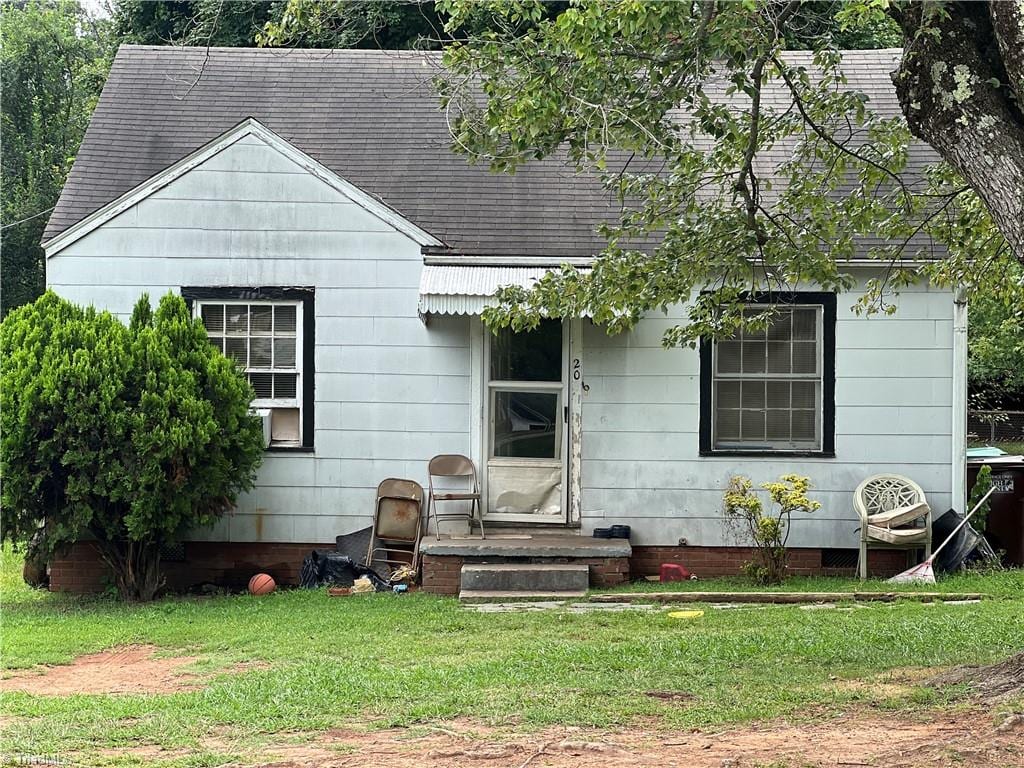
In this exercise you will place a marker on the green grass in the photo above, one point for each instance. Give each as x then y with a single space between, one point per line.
402 660
1006 583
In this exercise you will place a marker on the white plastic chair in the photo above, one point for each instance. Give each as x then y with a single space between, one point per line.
889 507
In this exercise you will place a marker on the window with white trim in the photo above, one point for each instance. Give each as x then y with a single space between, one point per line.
264 338
767 385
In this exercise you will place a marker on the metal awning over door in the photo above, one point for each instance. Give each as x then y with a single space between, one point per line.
455 289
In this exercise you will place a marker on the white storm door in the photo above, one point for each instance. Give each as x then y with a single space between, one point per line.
526 419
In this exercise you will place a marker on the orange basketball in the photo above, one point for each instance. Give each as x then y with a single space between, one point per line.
261 584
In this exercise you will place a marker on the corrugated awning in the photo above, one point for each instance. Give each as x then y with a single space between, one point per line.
465 290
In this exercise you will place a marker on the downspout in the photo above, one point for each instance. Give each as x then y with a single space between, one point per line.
959 431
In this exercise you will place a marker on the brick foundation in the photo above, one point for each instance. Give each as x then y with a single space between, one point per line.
80 570
706 562
441 574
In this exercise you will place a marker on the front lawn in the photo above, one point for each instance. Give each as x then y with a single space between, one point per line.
299 661
1007 583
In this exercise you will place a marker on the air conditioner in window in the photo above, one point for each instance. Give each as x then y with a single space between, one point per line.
265 417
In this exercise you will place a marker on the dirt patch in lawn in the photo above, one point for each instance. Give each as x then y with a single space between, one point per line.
968 738
127 669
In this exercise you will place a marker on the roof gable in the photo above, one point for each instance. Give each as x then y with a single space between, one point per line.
246 132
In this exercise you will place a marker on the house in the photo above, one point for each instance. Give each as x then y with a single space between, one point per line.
307 204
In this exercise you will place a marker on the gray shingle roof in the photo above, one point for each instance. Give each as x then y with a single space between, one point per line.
371 117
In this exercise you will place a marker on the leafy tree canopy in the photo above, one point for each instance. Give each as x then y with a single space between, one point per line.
131 435
53 61
995 362
737 164
192 22
388 24
535 61
391 24
55 58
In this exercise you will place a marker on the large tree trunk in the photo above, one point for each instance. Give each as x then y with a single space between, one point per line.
947 88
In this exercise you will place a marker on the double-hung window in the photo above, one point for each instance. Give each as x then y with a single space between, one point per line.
772 389
265 336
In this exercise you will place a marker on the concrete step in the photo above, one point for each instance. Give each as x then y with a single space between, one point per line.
517 596
525 577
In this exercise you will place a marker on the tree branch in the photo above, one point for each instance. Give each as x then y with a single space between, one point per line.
750 193
830 139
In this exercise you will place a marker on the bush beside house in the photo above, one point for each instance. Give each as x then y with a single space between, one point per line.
126 435
766 532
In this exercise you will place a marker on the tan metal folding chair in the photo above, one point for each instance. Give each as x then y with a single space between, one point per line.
397 524
449 465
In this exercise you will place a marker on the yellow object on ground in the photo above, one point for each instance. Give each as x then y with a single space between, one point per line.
685 614
362 584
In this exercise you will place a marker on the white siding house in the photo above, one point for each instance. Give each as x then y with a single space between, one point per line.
399 368
389 392
893 413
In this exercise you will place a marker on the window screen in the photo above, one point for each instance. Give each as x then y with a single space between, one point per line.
264 339
767 384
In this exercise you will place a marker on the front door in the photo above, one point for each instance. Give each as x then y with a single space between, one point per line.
526 409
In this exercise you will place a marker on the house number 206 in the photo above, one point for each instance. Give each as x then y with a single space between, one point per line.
577 373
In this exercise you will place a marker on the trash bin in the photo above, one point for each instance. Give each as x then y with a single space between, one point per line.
1005 525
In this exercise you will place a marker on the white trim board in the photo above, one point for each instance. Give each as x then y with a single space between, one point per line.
248 127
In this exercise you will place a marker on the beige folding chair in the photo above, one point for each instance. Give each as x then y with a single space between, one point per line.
397 524
889 507
453 465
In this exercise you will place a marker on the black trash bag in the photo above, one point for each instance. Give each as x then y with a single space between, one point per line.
309 574
323 568
968 546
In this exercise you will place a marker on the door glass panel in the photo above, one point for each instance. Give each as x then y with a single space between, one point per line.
528 356
526 425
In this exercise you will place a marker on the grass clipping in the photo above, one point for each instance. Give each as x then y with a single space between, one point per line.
995 682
